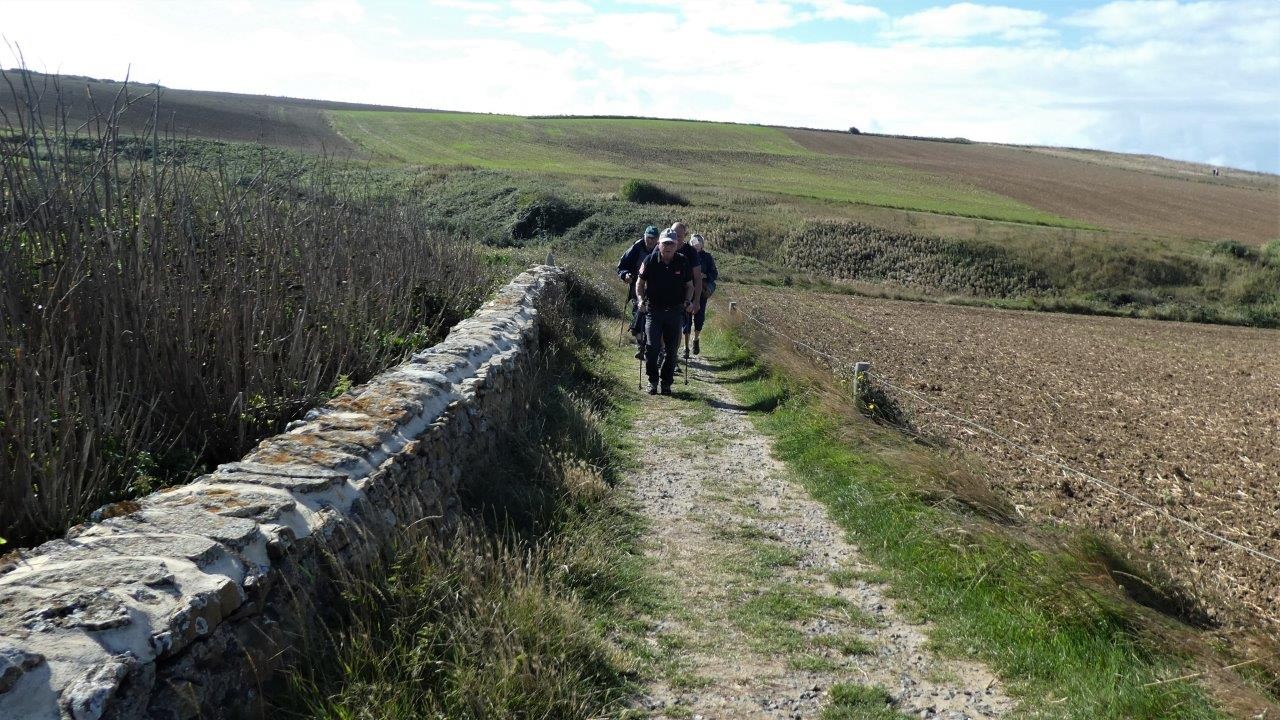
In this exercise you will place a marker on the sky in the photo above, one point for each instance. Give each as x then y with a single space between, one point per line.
1194 81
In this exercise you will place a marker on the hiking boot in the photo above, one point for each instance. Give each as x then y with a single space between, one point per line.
666 390
696 349
640 354
653 389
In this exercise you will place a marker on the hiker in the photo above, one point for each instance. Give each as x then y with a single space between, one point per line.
628 267
709 276
680 231
665 293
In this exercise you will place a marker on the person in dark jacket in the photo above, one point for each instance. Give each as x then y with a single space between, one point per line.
628 270
665 292
709 277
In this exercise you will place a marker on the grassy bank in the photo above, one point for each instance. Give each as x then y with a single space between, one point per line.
1225 282
1043 610
739 156
531 607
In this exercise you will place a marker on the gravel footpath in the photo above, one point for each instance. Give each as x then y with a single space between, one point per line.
771 605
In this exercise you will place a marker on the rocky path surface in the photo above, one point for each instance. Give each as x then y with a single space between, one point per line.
771 608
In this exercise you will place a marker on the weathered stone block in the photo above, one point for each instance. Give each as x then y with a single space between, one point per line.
14 663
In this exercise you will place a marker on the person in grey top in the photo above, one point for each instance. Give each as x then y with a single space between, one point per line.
710 275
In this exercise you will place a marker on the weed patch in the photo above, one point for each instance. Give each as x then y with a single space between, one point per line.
860 702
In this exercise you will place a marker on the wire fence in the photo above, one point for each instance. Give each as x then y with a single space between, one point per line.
836 364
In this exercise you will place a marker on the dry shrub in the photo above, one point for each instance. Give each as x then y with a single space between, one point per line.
646 193
155 318
853 251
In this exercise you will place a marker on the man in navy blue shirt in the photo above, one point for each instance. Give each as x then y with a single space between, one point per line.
665 292
628 270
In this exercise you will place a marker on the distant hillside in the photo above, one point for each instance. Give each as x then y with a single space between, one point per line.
1140 193
279 121
1062 187
746 157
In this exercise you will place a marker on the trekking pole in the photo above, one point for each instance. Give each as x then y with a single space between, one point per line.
686 359
686 353
644 355
622 329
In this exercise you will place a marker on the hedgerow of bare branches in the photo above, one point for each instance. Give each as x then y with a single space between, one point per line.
155 317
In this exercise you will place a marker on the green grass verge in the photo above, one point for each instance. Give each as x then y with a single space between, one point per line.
744 157
1067 651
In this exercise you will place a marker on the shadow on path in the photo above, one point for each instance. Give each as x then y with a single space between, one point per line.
714 373
762 405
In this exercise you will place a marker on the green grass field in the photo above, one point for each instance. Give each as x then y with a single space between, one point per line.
695 153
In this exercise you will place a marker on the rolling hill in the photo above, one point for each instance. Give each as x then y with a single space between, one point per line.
279 121
1059 187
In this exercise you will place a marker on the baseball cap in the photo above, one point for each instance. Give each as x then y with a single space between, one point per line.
667 236
651 231
696 241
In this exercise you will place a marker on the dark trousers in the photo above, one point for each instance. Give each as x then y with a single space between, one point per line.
637 324
695 321
662 330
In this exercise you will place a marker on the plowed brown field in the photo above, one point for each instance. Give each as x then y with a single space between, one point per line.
1185 416
1246 208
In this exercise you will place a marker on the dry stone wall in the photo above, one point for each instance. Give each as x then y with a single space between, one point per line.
182 604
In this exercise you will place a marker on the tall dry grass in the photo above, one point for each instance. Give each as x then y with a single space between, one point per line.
155 317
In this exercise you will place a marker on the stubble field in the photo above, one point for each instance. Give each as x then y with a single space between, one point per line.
1184 416
1126 192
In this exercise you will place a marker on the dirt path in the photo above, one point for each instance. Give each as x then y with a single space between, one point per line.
771 607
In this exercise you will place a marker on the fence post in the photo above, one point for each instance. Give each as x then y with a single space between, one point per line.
861 373
733 307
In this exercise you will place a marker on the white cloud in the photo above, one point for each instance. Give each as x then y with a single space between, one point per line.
550 7
1196 89
841 10
473 6
1246 21
764 15
966 20
348 11
754 15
